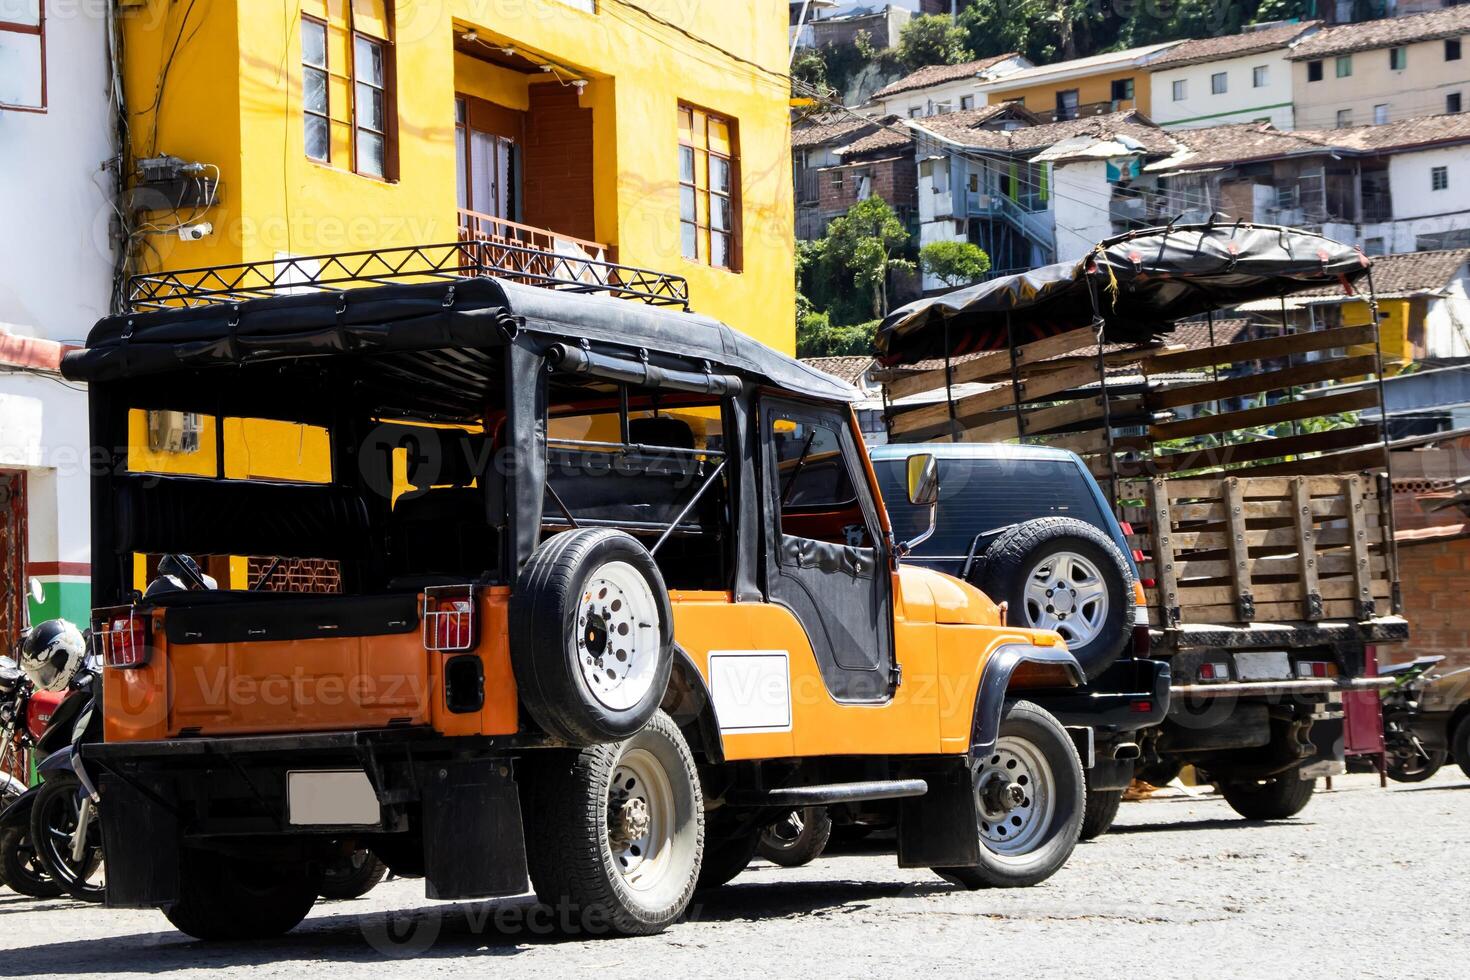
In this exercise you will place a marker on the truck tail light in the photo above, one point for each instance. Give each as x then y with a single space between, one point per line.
1138 556
1218 671
1316 668
451 619
120 635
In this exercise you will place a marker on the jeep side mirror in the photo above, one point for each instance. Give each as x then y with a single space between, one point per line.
923 486
923 473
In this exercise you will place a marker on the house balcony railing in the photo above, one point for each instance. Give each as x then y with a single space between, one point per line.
487 246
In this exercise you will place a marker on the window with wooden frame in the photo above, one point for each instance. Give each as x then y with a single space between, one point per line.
709 188
23 55
348 87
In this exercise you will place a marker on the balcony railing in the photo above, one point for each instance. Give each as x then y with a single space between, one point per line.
488 246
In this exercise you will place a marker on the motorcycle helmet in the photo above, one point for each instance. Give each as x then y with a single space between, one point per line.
52 654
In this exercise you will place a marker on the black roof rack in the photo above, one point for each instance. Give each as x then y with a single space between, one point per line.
213 285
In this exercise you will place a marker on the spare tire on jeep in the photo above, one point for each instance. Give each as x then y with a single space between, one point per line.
591 636
1063 574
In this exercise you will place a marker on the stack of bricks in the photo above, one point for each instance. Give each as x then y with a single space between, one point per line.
1434 573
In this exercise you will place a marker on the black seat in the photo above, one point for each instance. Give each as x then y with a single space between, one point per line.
661 430
443 533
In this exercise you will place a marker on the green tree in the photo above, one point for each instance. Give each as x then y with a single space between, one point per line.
954 263
865 243
817 336
808 73
932 40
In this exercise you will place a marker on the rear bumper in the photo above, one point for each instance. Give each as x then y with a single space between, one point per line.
1255 689
1131 695
1383 629
447 808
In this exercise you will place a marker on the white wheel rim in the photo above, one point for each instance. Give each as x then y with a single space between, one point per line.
1013 826
1066 593
618 635
640 817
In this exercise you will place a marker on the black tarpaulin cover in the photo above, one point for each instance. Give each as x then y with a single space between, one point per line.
1141 282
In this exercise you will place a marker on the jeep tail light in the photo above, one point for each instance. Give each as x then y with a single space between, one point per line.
1141 640
451 620
1316 668
120 635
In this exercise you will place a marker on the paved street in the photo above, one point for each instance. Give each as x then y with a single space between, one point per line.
1366 883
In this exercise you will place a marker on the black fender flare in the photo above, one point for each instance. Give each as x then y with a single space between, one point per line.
995 680
687 700
18 814
58 761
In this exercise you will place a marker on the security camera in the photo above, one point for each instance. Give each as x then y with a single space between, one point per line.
193 233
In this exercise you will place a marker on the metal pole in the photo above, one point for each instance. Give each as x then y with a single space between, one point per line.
1015 381
796 34
1385 506
954 424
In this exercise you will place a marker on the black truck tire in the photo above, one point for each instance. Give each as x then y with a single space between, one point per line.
225 899
350 877
1030 791
591 636
724 859
615 832
1064 574
1460 744
22 869
1101 810
1276 798
798 838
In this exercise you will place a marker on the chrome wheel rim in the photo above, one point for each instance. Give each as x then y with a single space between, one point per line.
1013 793
1066 593
640 818
618 636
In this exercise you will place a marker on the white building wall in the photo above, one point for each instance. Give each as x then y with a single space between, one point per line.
1241 102
55 280
949 97
1418 89
1419 209
1447 322
1080 199
936 210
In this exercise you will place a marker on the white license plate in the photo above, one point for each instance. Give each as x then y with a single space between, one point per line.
337 797
1263 665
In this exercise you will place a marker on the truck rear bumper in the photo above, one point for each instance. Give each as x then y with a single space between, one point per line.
1242 689
1383 629
446 808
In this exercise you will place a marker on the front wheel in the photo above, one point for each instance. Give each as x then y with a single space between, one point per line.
225 897
616 831
1415 766
1276 798
63 813
798 838
1029 796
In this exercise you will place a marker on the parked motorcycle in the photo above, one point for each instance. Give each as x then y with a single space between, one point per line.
1412 758
56 668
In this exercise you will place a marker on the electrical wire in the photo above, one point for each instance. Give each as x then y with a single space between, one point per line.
783 77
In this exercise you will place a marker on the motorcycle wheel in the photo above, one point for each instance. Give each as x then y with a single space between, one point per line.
54 818
350 877
1411 767
23 871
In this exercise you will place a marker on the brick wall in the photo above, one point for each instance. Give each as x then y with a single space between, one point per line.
1435 577
894 180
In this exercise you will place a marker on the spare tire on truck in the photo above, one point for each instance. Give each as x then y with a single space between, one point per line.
591 636
1063 574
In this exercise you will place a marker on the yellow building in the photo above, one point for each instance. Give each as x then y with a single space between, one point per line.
1110 82
653 133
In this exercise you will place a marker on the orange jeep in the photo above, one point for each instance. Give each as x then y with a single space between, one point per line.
610 587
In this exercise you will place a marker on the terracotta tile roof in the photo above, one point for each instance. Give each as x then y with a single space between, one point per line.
1195 334
850 369
967 129
1405 133
828 129
1389 32
939 75
1218 146
887 137
1406 274
1231 46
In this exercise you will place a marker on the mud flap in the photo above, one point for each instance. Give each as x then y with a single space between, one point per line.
140 843
474 845
941 828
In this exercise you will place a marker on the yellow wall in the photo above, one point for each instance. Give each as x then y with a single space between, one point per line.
1393 330
1091 89
247 119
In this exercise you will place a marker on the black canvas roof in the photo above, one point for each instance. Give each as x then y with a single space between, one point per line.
398 318
1140 283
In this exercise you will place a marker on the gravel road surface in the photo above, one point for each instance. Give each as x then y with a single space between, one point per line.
1366 882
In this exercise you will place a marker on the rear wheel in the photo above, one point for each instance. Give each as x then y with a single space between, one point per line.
232 898
1276 798
1101 811
1029 796
350 877
55 817
22 867
1461 744
724 859
616 831
798 838
1414 766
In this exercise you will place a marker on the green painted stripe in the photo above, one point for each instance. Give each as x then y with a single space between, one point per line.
66 600
1218 115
